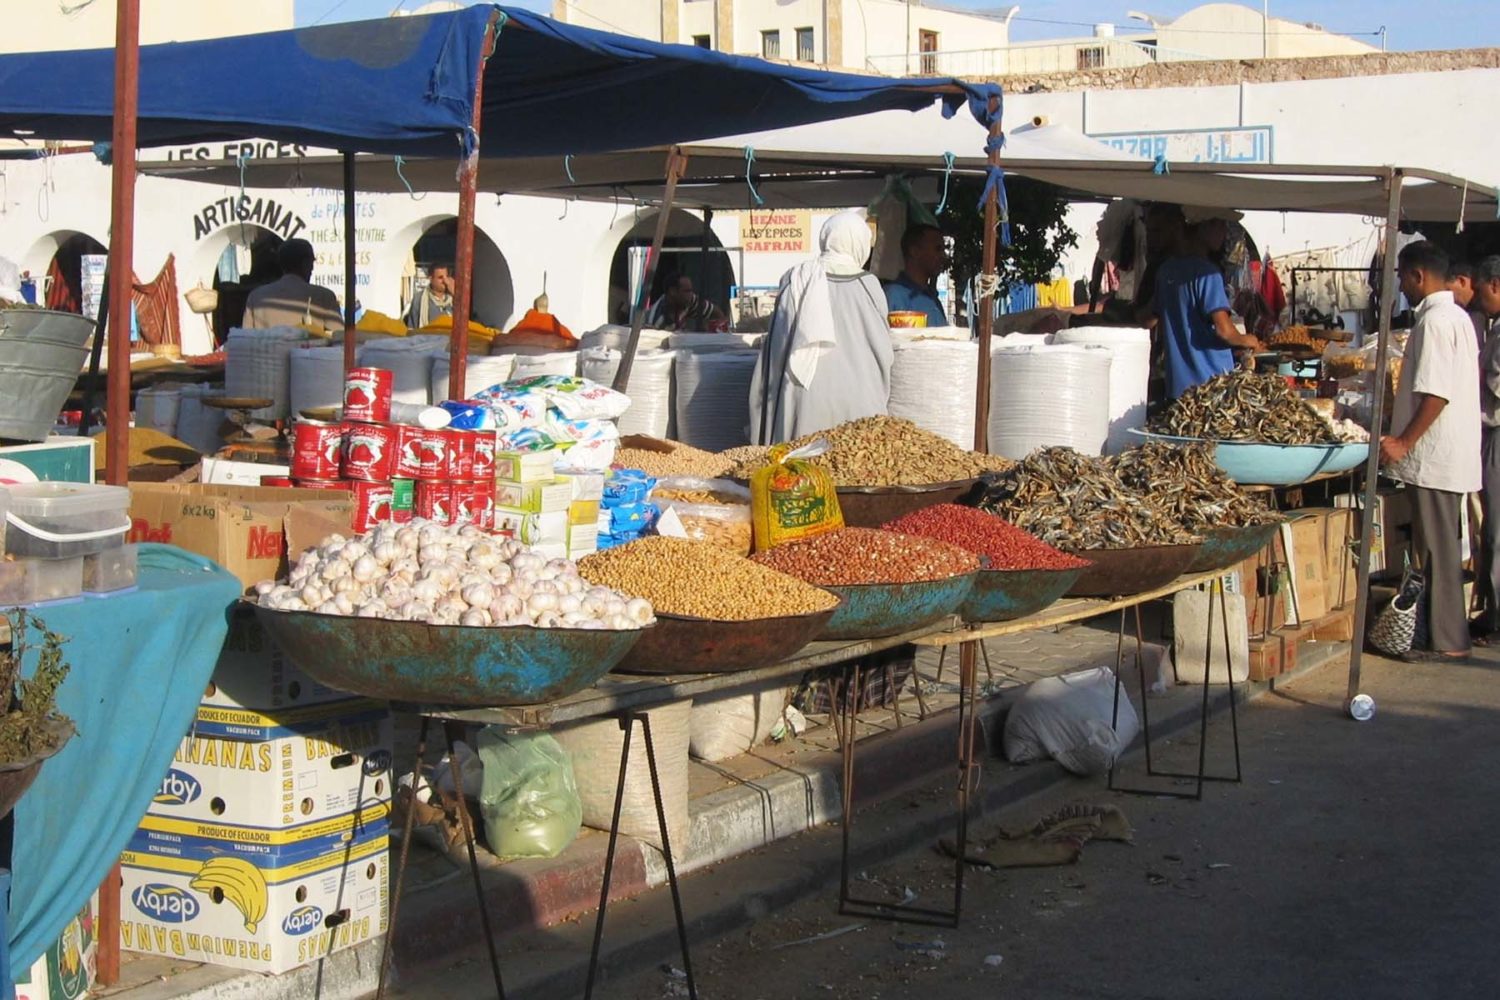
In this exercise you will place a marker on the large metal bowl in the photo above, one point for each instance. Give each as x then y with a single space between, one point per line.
1256 464
875 610
1226 547
446 664
1002 595
874 506
680 644
1123 572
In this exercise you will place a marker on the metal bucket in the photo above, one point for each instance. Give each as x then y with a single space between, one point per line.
41 356
875 610
1002 595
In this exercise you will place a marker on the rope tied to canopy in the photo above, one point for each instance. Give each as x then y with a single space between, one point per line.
948 160
750 178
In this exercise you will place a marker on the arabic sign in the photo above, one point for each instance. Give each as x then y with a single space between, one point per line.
1222 145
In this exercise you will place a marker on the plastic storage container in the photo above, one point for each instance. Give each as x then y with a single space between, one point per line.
111 570
32 581
65 520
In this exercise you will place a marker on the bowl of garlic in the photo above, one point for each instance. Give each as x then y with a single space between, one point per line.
447 615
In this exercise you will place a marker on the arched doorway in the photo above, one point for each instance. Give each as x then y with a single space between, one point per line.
494 301
55 266
691 247
233 260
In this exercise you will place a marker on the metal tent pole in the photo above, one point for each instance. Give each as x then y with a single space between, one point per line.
463 255
350 276
986 304
676 163
1377 417
122 237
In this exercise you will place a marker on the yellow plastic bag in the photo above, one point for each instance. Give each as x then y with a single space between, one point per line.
793 498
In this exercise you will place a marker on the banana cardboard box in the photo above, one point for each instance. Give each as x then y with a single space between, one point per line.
252 672
227 910
283 782
167 837
66 970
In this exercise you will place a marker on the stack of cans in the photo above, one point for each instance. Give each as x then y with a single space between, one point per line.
395 471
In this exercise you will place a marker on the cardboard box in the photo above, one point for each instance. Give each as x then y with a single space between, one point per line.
536 498
1336 626
253 672
1265 605
281 782
1391 527
242 528
1340 570
587 484
583 512
223 472
532 529
523 466
250 725
1265 658
166 837
307 906
1306 602
67 969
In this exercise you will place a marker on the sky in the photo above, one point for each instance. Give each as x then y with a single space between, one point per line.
1433 24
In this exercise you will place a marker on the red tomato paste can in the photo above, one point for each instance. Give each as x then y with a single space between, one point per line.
408 451
460 454
432 453
434 501
367 394
403 500
369 452
484 503
315 449
372 504
484 455
282 481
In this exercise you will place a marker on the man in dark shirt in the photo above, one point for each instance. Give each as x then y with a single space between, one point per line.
915 288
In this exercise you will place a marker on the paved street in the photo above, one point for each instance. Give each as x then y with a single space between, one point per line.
1356 861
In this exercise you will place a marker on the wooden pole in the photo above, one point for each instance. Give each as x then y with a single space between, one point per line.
676 163
986 303
350 273
1377 419
463 256
122 238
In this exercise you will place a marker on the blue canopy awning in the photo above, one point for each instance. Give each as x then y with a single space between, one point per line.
405 86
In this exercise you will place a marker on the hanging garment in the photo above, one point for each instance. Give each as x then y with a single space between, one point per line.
60 294
156 308
1271 292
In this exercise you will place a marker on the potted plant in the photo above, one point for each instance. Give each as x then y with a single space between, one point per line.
31 728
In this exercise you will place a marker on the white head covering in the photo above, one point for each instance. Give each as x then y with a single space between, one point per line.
845 243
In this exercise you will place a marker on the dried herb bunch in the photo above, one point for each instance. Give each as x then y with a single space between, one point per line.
32 725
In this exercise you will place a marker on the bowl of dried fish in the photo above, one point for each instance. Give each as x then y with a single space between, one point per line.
1124 572
1230 546
1244 406
1255 463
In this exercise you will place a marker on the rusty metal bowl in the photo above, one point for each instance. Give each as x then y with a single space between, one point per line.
873 506
1123 572
1226 547
681 644
1002 595
17 776
446 664
875 610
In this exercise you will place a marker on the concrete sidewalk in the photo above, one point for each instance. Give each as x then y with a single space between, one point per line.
766 817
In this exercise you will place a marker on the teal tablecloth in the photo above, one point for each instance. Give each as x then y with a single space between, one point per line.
139 663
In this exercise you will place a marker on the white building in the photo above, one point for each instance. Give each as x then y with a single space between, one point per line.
48 25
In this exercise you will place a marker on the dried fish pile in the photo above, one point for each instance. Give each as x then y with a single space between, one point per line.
1190 485
1243 406
1075 502
889 451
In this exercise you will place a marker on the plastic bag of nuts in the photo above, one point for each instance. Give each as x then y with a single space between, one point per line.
725 525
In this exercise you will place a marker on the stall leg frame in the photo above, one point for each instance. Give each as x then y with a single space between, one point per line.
1216 591
968 715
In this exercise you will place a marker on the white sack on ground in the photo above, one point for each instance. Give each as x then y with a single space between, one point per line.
1068 718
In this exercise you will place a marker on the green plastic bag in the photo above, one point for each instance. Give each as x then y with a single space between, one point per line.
529 799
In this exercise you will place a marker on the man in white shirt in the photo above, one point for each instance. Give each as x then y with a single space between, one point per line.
1435 449
1487 303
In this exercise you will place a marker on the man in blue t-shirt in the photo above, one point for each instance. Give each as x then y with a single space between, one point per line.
914 290
1191 305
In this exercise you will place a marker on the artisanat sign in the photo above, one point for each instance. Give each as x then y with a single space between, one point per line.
264 212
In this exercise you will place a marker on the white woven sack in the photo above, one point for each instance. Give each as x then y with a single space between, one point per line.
933 386
482 371
409 360
198 425
595 748
530 365
256 366
1129 371
615 336
714 341
713 398
157 406
1046 396
1068 718
317 378
650 388
729 725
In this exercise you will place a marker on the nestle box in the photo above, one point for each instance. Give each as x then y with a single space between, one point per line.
207 907
282 782
536 498
253 672
242 528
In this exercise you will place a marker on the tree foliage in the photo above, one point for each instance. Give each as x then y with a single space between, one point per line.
1040 233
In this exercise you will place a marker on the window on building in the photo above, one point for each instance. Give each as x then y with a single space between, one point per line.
1091 57
770 44
703 41
927 44
805 48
